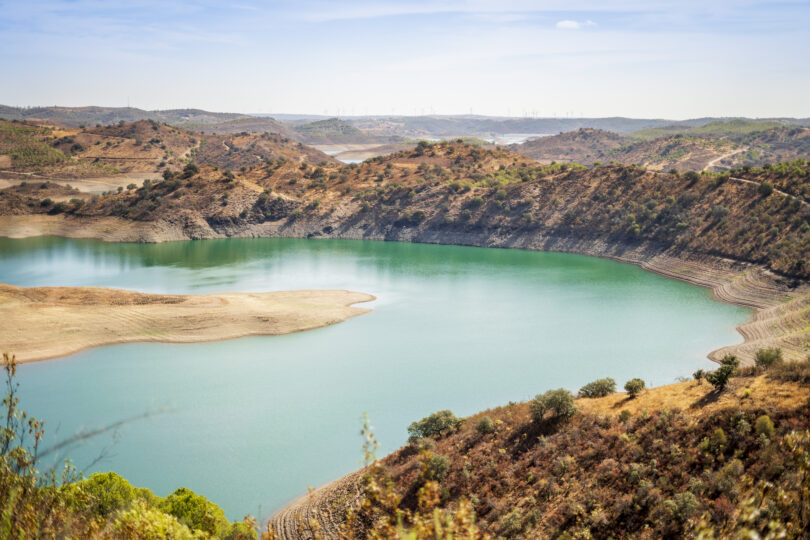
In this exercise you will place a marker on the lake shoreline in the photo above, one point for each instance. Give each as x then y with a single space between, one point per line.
50 322
776 301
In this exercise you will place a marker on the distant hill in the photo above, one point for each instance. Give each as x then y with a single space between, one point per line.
716 145
584 146
145 146
335 131
731 129
89 116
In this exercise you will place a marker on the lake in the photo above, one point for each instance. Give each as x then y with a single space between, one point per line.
250 423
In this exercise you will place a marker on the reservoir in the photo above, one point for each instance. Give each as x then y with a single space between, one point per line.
251 423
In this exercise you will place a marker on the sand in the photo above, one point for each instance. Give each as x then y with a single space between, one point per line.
48 322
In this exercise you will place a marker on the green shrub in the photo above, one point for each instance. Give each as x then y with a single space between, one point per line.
147 523
764 426
765 189
434 425
437 467
598 388
634 387
109 493
768 357
719 378
196 512
485 425
476 201
559 402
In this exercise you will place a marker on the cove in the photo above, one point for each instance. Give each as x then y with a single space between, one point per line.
250 423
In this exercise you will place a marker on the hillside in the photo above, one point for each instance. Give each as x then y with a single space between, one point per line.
86 116
146 148
719 145
584 146
673 462
747 236
335 131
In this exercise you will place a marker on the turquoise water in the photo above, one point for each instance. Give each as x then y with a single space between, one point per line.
250 423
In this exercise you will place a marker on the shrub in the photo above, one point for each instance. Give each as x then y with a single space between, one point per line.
719 378
764 426
634 387
598 388
190 170
146 523
436 467
699 374
768 357
195 511
485 425
109 493
434 425
559 402
476 201
765 189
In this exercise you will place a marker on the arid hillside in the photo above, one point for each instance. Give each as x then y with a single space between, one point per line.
755 215
715 146
145 146
677 461
584 146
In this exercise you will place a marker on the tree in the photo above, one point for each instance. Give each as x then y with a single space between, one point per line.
559 402
634 387
719 378
598 388
434 425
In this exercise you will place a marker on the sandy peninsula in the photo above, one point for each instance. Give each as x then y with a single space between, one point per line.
48 322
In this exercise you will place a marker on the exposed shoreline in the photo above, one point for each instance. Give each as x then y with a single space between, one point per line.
779 304
50 322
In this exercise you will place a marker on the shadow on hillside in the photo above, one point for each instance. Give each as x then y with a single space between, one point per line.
711 397
527 436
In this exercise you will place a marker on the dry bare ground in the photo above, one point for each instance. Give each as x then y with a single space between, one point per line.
47 322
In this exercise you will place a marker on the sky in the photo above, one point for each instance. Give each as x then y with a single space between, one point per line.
669 59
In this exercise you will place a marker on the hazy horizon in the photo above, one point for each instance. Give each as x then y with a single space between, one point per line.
512 58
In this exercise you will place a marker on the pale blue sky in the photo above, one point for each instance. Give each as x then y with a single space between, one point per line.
673 59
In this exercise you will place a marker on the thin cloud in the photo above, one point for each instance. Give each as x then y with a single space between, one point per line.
575 25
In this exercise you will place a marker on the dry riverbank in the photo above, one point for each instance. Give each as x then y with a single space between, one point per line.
48 322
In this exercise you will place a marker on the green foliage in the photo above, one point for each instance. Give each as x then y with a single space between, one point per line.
146 523
765 189
196 512
719 378
436 466
598 388
485 425
190 170
108 492
768 357
764 426
634 387
436 424
560 403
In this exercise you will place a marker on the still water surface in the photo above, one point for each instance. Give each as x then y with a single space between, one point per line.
250 423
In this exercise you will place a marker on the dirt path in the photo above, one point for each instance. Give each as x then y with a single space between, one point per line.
714 162
48 322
